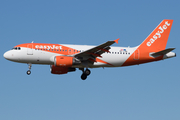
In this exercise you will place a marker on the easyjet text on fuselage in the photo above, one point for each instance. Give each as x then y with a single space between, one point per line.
48 47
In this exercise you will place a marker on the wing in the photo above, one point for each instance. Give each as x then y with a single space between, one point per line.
91 54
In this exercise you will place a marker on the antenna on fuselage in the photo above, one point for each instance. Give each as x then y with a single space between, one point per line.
32 42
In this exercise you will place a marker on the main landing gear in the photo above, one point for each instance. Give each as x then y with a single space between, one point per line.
85 73
29 71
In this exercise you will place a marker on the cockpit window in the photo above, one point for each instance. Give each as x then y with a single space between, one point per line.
16 48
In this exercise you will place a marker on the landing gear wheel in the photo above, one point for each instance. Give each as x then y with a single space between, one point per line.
28 72
83 76
87 72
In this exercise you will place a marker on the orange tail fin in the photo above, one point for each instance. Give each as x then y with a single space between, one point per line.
157 40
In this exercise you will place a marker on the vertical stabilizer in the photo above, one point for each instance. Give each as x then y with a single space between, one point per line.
155 42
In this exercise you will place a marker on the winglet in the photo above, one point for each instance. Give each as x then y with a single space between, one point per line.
116 40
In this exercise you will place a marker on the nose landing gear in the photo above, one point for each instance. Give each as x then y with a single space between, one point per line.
29 71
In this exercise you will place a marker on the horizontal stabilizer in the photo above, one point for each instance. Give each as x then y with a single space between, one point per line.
163 52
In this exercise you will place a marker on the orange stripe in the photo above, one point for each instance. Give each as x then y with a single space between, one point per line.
101 61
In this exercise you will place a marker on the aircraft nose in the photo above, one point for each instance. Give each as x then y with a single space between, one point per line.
7 55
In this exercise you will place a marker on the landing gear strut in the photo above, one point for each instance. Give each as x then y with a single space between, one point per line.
29 71
85 73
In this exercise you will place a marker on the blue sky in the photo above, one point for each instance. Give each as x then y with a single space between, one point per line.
149 91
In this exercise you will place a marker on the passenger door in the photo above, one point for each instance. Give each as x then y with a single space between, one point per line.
30 49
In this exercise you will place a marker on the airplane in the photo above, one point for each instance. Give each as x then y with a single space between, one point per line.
64 58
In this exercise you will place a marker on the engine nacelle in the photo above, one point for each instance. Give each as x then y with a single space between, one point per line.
61 70
66 61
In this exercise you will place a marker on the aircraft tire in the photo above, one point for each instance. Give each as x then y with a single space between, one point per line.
83 76
87 72
28 72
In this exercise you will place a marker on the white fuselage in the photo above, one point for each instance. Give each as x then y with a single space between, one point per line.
116 57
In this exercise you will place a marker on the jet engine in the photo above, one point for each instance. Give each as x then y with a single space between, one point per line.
61 70
66 61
